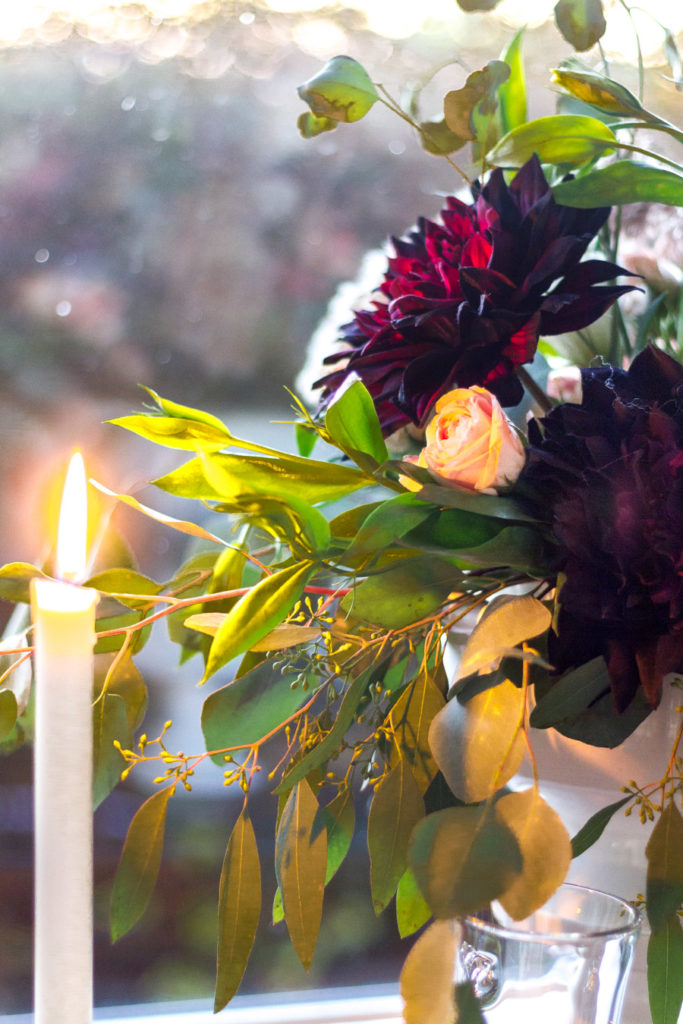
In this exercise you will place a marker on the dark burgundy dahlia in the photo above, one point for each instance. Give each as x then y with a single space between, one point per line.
608 475
464 302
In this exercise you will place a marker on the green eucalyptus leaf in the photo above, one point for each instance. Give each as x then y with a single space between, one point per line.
507 622
232 476
300 867
186 412
125 681
122 583
545 847
256 614
110 722
409 721
478 93
280 638
479 746
172 432
477 5
339 819
309 125
389 522
352 423
664 892
598 90
396 808
621 183
571 694
558 139
180 525
239 909
412 909
138 867
581 22
437 138
251 707
664 974
463 857
15 581
404 593
512 92
341 91
427 976
8 712
485 505
595 826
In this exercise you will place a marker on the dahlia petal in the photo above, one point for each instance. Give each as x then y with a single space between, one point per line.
563 313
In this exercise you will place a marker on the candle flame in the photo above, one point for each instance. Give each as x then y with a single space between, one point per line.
73 523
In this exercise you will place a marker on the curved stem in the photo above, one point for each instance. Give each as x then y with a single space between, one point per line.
536 392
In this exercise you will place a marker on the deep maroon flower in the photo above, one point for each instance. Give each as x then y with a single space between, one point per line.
464 302
608 475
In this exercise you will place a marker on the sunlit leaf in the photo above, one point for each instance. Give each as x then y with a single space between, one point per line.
581 22
558 139
427 976
173 432
300 866
278 638
138 867
621 183
478 5
256 614
15 579
412 910
598 90
595 826
507 622
120 583
231 476
405 593
437 138
341 91
664 974
512 92
352 423
664 892
390 522
239 908
545 846
8 712
479 745
180 525
110 722
309 125
396 808
479 91
409 722
339 818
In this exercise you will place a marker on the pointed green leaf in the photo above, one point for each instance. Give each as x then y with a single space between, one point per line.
239 909
427 976
138 867
251 707
309 480
571 694
278 639
396 808
621 183
581 22
409 722
174 432
595 826
664 851
507 622
256 614
480 92
121 583
8 712
341 91
15 580
389 522
339 818
300 866
463 857
558 139
664 974
598 90
512 92
110 723
545 847
479 745
412 910
125 681
405 593
352 423
180 525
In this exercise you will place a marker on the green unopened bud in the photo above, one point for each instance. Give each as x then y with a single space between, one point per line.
599 91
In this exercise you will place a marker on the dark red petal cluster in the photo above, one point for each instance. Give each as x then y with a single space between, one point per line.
608 475
463 302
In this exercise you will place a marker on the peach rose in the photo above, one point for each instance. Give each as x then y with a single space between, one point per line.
471 443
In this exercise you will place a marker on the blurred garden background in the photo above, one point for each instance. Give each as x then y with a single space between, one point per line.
162 222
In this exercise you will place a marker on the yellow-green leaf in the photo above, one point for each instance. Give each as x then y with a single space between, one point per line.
110 723
581 22
545 846
664 974
15 579
300 866
480 91
558 139
396 808
341 91
138 867
427 976
412 909
181 525
664 851
256 614
239 908
8 712
599 91
277 640
409 722
507 622
479 745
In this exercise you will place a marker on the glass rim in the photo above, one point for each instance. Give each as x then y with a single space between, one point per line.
509 931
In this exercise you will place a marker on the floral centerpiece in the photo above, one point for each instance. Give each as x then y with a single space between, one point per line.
451 486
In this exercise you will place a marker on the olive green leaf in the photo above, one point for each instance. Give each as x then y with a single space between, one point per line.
15 580
545 846
427 976
558 139
138 867
352 423
239 909
437 138
412 910
124 585
180 525
396 808
256 614
300 867
231 476
479 91
8 712
339 818
341 91
595 826
623 182
570 694
404 593
512 92
110 722
507 622
309 125
477 5
581 22
598 90
251 707
664 974
409 721
277 640
479 745
462 858
664 891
